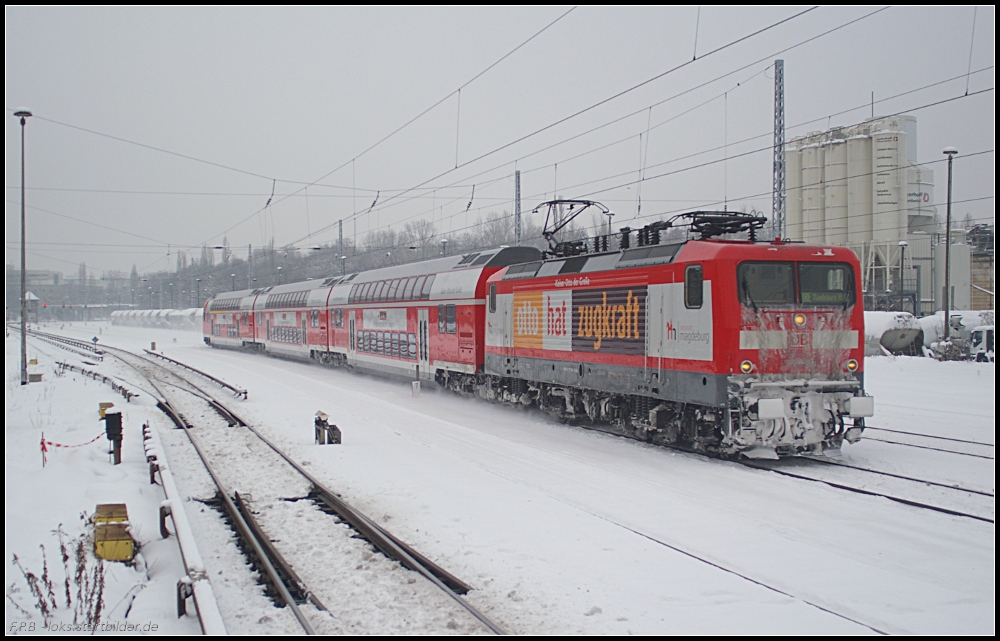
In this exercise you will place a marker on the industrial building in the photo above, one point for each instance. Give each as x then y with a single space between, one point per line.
861 187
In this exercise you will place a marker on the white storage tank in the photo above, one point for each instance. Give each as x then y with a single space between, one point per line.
793 194
889 222
813 199
859 189
835 191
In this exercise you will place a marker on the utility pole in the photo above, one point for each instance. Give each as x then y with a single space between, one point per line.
23 114
249 266
517 207
340 245
950 152
778 194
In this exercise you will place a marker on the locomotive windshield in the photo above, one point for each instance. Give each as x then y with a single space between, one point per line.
774 283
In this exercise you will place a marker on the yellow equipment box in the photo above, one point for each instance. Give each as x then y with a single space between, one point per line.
111 513
112 542
104 407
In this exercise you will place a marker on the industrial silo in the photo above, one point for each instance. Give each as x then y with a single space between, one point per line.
813 199
835 192
859 190
793 194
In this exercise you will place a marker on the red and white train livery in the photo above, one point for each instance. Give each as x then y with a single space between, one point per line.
419 321
722 346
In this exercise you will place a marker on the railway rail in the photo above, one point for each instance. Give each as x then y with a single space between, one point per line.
936 497
984 450
282 574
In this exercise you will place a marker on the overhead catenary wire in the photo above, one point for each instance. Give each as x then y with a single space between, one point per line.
530 154
421 114
483 197
545 128
762 149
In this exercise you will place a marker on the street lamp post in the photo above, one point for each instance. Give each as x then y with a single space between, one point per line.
950 152
444 247
23 114
902 262
197 295
279 274
233 276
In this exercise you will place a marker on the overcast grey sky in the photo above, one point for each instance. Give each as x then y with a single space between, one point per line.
250 99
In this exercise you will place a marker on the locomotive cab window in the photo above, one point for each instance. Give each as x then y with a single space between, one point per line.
766 283
826 284
786 283
493 298
693 291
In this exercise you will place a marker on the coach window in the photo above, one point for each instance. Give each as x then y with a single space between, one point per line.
493 298
450 324
314 318
693 292
408 291
418 285
393 289
425 294
440 319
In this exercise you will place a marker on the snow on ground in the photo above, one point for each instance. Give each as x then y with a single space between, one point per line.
558 529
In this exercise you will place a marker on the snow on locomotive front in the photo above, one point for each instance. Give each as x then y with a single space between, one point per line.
722 346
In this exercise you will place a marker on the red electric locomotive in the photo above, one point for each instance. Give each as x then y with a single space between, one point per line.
721 346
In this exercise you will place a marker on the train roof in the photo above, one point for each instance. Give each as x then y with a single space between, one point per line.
315 293
668 252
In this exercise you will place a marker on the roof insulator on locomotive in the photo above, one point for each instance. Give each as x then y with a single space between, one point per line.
718 223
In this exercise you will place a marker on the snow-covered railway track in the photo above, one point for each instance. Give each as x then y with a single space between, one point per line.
277 493
918 493
957 446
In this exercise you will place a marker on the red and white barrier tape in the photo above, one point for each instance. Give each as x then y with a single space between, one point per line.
47 444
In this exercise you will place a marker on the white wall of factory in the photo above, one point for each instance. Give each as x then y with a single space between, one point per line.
861 187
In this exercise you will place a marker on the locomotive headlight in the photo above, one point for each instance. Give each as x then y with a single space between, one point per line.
852 365
800 319
746 367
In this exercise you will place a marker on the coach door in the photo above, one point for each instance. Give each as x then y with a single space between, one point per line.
351 344
423 345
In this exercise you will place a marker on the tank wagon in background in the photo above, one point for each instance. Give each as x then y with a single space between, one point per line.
720 346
